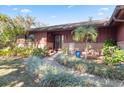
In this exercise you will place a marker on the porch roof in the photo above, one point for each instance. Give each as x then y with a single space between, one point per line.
71 26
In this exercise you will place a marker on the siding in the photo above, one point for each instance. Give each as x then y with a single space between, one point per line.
40 39
120 36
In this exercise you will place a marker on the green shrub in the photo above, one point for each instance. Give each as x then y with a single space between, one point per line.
42 52
112 53
108 44
65 50
17 51
116 57
6 52
23 51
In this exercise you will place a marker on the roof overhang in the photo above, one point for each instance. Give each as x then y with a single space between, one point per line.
117 16
71 26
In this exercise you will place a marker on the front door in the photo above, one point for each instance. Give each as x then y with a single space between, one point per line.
57 42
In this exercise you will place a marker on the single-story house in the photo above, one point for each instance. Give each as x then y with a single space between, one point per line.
60 36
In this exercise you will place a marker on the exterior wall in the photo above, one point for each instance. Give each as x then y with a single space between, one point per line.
106 33
81 46
20 42
40 39
103 34
47 39
120 36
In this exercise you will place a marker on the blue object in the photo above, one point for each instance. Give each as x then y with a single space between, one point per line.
78 54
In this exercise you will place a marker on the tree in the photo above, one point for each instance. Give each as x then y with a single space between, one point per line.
85 33
11 28
9 31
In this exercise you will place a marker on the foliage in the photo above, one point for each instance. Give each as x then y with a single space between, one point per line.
81 67
65 50
116 57
9 35
25 21
23 51
6 52
112 53
108 44
11 28
17 51
85 33
42 52
52 76
106 71
32 65
64 80
9 31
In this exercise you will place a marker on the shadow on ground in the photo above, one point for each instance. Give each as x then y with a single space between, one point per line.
12 74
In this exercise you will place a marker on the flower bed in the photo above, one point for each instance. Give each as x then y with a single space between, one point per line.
106 71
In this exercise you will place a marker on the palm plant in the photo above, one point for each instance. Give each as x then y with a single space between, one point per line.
85 33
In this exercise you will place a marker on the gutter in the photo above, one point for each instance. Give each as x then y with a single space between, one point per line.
118 20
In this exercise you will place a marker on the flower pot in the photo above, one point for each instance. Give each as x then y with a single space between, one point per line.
78 54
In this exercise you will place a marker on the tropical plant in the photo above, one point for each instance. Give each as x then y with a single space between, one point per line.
41 52
86 34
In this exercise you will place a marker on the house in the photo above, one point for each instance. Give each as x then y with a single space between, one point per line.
60 36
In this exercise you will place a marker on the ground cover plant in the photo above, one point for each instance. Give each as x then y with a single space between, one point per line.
87 66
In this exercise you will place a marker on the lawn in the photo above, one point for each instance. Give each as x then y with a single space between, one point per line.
12 73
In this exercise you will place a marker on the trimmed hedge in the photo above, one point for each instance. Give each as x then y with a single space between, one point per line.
85 66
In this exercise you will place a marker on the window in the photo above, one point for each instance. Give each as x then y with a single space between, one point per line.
31 37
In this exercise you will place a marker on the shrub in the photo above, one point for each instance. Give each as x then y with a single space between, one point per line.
107 46
116 57
106 71
32 65
81 67
64 80
65 50
42 52
6 52
112 53
17 51
62 59
23 51
36 66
